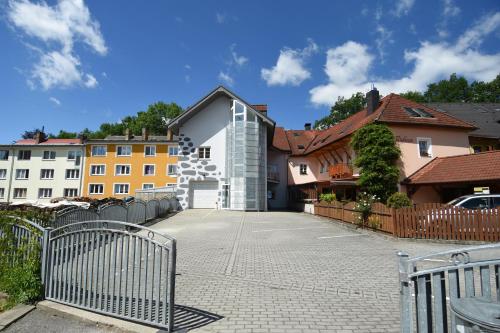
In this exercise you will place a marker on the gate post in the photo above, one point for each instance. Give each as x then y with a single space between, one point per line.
171 299
45 253
404 293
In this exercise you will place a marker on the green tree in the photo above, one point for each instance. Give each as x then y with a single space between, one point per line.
376 156
342 109
488 92
64 135
153 118
31 134
415 96
455 89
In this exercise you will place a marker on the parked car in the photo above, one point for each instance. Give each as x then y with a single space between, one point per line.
477 201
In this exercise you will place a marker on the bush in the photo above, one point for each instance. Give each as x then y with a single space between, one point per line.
20 271
328 197
398 200
364 207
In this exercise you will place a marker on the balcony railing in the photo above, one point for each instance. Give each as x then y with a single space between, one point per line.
272 174
340 171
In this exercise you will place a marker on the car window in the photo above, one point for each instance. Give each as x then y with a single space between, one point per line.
496 202
476 203
455 201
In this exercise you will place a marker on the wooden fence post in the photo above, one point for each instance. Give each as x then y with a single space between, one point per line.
394 222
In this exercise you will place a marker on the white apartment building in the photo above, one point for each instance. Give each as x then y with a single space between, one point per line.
37 170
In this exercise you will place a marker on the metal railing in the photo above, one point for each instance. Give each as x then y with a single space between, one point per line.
430 282
103 266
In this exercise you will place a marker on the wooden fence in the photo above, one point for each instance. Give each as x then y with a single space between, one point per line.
425 221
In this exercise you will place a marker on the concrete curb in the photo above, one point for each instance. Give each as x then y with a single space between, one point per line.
95 318
14 314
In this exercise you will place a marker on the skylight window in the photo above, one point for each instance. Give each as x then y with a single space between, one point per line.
296 134
418 113
300 146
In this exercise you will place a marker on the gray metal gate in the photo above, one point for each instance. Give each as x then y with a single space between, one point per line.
113 212
430 282
73 215
152 209
115 268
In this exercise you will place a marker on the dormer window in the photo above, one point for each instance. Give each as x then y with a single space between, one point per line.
417 112
296 134
300 146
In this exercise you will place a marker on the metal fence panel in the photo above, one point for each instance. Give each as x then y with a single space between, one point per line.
174 204
136 212
115 268
75 215
152 209
428 281
164 207
113 212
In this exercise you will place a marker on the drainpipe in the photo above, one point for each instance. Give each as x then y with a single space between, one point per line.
82 171
10 175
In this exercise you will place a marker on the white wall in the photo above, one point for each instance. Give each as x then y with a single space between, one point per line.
206 128
35 164
4 183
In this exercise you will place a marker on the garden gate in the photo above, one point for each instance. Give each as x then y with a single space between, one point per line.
115 268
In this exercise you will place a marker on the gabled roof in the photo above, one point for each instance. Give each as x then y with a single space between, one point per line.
390 110
300 140
198 106
280 140
63 142
485 116
462 168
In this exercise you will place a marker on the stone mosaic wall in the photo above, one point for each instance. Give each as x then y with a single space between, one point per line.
191 168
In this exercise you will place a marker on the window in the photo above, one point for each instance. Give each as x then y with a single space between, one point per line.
4 155
172 169
122 170
303 169
424 147
96 188
239 111
99 150
147 186
20 193
123 150
204 152
322 169
97 170
71 155
171 184
149 150
476 203
44 193
47 174
496 202
417 112
72 173
3 173
49 155
24 155
300 146
2 192
22 173
173 150
149 169
70 192
477 149
121 188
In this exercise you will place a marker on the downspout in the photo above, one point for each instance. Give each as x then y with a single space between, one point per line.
10 175
82 170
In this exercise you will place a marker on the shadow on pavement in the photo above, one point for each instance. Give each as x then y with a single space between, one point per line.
188 318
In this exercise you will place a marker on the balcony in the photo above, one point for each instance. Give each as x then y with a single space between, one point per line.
272 174
341 171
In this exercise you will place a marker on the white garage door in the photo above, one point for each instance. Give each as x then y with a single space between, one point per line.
204 194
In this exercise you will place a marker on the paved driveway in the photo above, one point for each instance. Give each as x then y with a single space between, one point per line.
286 272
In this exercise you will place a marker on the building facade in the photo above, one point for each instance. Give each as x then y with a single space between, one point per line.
223 153
40 170
118 166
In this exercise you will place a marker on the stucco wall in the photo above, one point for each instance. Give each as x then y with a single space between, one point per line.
444 142
206 128
313 167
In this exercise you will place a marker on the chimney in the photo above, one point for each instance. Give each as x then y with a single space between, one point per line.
39 137
262 108
372 100
170 135
307 126
145 134
128 135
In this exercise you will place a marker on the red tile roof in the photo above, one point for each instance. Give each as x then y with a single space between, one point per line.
259 107
299 140
461 168
49 142
390 110
279 139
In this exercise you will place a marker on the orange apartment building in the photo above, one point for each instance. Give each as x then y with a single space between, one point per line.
118 166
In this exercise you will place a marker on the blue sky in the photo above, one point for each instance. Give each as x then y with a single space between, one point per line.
71 64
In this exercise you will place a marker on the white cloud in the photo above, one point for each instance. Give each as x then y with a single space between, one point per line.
187 78
187 66
450 9
55 101
237 59
403 7
384 37
225 78
220 17
63 24
290 67
348 65
90 81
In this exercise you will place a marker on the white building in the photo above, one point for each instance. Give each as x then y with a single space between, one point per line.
37 170
223 153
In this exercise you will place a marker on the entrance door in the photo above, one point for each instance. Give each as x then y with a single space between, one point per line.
204 194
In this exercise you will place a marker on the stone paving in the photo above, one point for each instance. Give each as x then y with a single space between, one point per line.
287 272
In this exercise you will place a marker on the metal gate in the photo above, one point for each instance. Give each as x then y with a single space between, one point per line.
115 268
